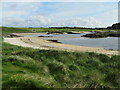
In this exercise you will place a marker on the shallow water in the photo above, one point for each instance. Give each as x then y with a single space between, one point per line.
76 39
106 43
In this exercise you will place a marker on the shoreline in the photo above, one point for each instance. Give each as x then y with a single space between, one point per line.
40 43
42 33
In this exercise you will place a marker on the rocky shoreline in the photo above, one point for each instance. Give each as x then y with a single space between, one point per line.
103 34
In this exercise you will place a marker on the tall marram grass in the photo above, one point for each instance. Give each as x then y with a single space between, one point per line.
33 68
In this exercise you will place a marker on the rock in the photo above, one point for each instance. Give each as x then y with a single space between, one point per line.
44 36
55 32
73 32
102 35
54 41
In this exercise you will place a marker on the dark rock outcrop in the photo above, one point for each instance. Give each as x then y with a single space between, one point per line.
44 36
73 32
57 32
56 41
102 35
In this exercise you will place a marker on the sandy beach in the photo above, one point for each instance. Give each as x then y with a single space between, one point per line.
40 43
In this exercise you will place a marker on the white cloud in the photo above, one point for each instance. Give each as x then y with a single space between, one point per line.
19 0
21 6
108 17
13 13
40 20
78 22
60 0
18 10
14 22
34 21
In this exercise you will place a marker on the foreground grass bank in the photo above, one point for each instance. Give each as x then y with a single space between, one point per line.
32 68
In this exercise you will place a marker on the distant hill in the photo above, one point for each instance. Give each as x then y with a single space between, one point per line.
114 26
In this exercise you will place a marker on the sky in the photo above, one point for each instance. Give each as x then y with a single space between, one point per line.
49 14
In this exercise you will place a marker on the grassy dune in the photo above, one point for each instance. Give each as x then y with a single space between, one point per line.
34 68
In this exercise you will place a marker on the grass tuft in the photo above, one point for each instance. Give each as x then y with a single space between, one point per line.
33 68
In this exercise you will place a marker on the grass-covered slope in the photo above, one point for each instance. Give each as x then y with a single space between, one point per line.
32 68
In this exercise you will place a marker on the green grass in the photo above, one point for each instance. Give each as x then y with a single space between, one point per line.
34 68
7 30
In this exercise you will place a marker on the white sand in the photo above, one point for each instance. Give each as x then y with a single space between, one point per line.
39 43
